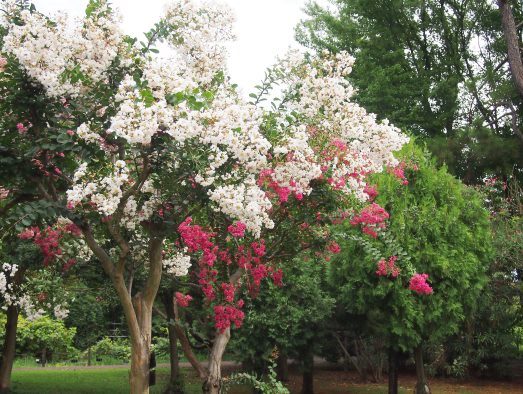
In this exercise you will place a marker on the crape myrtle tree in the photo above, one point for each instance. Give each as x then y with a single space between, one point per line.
158 143
32 154
322 154
436 226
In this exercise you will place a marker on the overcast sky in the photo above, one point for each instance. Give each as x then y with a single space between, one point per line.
264 29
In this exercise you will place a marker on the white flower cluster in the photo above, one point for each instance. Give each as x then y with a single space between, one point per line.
296 166
177 263
13 296
52 51
245 202
219 133
198 33
6 286
105 193
60 312
322 96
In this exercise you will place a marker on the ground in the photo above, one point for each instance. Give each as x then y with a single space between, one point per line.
102 380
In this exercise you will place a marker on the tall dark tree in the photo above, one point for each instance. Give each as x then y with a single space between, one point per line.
438 68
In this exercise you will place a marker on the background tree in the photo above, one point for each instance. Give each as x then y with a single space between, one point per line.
490 340
436 68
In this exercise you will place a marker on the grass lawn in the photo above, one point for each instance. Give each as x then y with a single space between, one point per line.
83 381
94 381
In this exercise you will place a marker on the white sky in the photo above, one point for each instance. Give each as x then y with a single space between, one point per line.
264 29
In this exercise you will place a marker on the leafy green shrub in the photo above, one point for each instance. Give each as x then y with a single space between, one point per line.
117 348
269 385
48 338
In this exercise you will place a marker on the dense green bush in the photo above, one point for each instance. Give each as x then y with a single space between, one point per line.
116 348
47 338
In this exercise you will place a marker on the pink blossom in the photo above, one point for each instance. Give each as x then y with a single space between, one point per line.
182 300
28 233
67 266
228 291
277 277
258 248
333 247
237 229
386 268
224 316
21 128
371 191
371 218
418 283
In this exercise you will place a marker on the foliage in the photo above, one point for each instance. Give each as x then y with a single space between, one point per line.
291 318
491 339
117 348
46 334
88 314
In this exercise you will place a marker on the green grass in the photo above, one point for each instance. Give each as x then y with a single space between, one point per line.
93 381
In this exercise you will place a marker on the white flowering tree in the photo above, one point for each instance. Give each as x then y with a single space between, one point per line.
136 148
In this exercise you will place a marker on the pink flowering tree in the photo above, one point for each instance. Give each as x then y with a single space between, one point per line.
417 279
316 177
159 165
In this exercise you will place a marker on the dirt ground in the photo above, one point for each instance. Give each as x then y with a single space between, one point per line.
337 382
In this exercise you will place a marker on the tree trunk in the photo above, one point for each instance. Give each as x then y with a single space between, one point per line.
9 349
43 359
308 374
89 356
511 38
393 371
213 382
175 385
141 346
283 367
422 386
139 375
138 310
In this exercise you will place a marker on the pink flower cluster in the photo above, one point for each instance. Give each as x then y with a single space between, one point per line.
21 128
182 300
196 239
228 290
277 277
49 239
237 229
388 268
247 257
371 218
283 192
334 248
399 172
224 316
418 283
370 191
